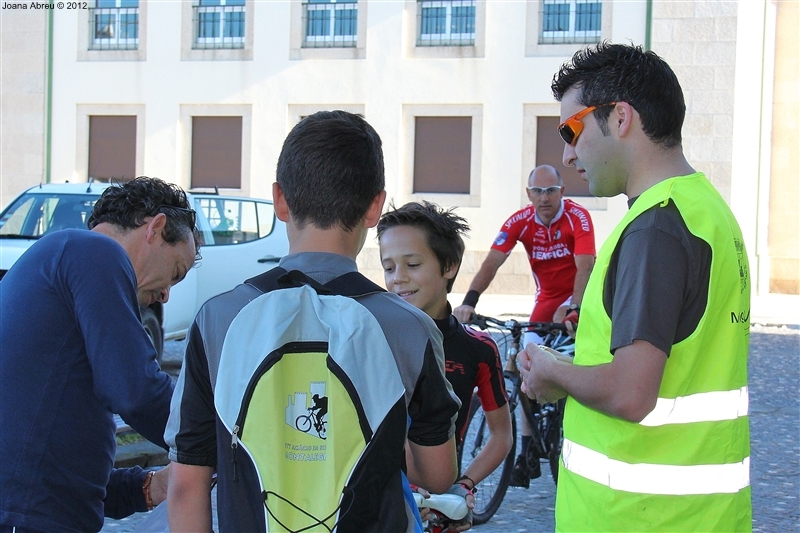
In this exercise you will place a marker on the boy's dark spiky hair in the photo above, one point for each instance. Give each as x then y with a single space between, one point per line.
442 227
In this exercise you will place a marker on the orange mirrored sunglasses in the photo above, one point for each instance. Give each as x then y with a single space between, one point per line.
571 128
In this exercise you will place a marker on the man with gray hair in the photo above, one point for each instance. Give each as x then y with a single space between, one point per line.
74 352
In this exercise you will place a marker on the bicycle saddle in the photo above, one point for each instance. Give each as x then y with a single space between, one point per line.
450 505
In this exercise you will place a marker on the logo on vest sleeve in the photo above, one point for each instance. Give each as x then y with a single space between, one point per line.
742 317
501 238
744 275
309 415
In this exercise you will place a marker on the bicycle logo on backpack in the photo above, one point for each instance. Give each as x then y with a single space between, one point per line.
545 420
315 417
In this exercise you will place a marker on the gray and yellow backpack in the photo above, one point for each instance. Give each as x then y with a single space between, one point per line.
310 394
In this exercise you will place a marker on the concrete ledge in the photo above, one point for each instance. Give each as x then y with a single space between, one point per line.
143 453
781 309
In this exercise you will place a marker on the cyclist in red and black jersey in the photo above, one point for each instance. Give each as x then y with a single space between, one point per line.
421 250
558 237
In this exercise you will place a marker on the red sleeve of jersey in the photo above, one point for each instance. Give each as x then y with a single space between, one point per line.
490 382
583 230
510 231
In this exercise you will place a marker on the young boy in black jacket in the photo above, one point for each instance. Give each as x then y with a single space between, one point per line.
421 250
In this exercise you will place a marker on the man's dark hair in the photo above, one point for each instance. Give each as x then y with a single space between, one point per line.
626 73
331 169
442 228
128 206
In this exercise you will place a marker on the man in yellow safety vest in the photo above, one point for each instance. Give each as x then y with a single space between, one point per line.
656 433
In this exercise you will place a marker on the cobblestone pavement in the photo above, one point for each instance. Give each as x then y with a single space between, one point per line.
775 446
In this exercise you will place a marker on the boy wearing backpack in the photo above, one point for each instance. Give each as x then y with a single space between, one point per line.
313 325
421 250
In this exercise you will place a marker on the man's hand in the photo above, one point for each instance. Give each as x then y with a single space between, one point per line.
560 313
466 522
534 364
568 315
464 313
571 319
159 484
423 511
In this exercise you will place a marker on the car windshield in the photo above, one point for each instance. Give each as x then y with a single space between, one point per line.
33 215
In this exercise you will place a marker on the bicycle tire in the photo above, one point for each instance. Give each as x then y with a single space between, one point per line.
556 438
493 488
303 423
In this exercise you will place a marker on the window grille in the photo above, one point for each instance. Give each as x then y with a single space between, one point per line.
219 24
446 23
330 24
114 25
570 21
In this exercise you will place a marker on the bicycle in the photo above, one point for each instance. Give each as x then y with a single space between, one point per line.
544 419
304 423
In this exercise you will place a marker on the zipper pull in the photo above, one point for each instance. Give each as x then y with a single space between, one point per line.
234 445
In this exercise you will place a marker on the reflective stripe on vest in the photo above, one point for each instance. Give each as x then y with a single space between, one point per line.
701 407
655 479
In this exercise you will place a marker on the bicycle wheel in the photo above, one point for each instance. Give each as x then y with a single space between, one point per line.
303 423
493 488
556 439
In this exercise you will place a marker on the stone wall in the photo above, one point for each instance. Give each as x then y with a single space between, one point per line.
784 201
698 40
23 56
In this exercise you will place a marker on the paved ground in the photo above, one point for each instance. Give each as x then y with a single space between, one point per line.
775 446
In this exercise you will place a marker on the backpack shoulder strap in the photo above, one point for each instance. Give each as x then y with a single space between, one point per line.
351 284
268 281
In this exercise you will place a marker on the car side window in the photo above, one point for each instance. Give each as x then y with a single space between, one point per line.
234 221
266 218
68 212
15 216
35 215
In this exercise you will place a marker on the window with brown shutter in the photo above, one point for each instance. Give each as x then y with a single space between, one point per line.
112 147
550 151
217 152
442 154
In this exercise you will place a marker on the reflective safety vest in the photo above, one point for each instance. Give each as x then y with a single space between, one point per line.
685 467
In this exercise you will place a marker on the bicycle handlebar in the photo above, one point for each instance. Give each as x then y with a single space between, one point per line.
485 322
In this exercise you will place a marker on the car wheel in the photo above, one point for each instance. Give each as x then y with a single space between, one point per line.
154 331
